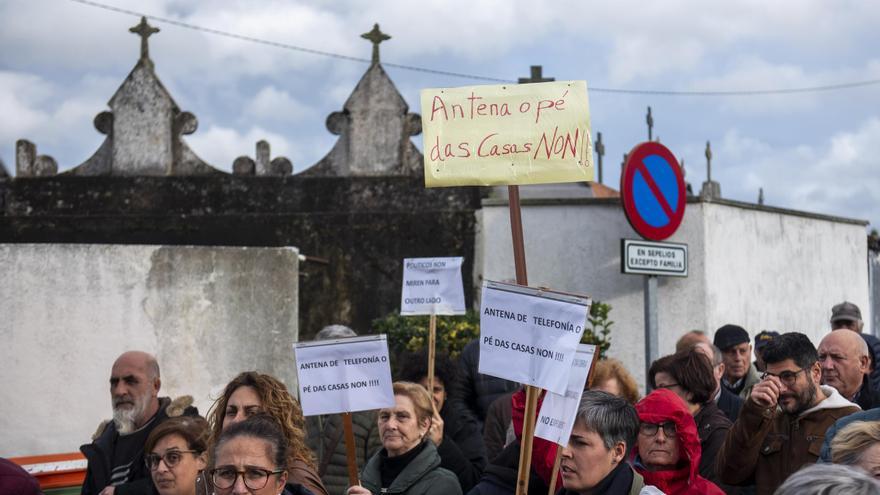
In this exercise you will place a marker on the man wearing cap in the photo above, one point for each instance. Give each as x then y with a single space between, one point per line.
848 316
740 374
760 341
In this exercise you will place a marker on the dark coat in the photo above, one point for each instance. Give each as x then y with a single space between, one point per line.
496 426
874 348
462 450
99 453
712 428
475 391
324 435
730 404
422 476
868 398
500 475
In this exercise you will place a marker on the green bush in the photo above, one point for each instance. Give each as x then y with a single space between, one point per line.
599 327
410 333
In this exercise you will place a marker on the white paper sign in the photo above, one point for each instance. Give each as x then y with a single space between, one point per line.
432 285
558 412
344 375
530 335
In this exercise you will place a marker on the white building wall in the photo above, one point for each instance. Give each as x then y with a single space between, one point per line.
773 271
68 311
801 265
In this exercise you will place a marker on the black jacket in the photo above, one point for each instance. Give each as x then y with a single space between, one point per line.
730 404
99 454
462 450
868 397
500 476
475 392
874 348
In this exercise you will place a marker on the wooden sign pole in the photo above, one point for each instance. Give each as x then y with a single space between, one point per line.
432 352
558 459
350 455
519 261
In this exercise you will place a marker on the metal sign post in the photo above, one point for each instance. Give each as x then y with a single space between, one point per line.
652 191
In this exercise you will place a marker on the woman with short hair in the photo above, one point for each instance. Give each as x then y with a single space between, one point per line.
251 393
667 452
858 445
610 375
408 463
594 461
175 454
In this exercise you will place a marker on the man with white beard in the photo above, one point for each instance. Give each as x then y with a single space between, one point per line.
116 456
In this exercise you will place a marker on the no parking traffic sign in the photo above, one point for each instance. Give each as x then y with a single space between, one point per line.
653 192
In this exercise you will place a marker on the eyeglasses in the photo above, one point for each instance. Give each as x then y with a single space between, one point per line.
789 378
171 458
651 429
254 478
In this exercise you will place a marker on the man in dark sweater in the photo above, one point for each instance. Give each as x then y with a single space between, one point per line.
116 457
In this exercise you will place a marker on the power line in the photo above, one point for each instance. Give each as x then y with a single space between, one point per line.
312 51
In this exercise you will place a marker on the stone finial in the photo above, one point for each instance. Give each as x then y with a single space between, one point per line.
649 119
374 129
29 164
279 166
536 76
600 152
711 189
375 36
144 30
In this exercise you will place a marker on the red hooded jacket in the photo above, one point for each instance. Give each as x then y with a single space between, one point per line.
659 407
543 452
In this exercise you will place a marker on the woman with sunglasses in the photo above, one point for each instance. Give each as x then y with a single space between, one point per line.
250 457
667 451
175 454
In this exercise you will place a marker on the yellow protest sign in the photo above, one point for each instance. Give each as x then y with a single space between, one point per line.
507 134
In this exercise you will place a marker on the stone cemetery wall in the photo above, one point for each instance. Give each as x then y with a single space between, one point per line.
207 313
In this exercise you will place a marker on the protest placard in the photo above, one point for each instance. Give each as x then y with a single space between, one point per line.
507 134
432 286
558 411
345 375
530 335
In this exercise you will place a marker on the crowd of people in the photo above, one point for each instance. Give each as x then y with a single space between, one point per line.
799 419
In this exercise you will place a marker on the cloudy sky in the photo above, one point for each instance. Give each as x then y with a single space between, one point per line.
817 151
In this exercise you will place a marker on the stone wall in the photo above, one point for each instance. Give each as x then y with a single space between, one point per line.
207 313
355 231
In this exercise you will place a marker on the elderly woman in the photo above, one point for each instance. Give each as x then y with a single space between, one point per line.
858 445
251 457
457 436
250 393
689 374
175 453
667 452
408 463
610 375
594 462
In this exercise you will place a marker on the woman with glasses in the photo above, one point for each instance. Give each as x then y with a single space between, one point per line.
667 452
689 374
250 457
175 456
408 463
250 393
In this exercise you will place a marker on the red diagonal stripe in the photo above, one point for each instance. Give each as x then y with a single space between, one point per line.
640 167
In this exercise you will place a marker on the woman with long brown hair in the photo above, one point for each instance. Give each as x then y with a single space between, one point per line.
250 393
